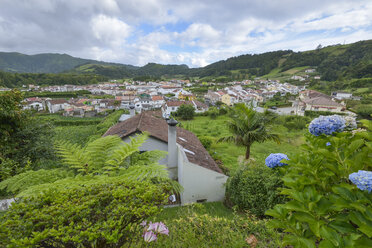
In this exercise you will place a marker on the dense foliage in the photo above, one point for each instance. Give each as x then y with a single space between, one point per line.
325 209
186 111
103 214
350 61
39 63
20 182
24 140
12 80
254 189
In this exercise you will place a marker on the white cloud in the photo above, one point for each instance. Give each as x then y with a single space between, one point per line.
110 31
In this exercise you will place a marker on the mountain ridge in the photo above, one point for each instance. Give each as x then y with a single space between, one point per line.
333 62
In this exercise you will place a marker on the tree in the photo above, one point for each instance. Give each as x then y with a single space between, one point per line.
186 111
24 140
213 112
247 126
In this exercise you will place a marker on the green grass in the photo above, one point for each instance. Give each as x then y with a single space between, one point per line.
75 134
205 225
230 154
215 209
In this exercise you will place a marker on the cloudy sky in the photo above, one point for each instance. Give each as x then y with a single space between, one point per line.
192 32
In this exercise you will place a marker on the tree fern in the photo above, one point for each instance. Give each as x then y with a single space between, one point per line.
104 159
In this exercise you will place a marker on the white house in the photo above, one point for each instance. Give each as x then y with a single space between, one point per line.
56 105
188 162
157 101
342 95
172 106
34 103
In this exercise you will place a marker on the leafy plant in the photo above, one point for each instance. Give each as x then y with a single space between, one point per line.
324 208
254 189
22 181
186 111
104 213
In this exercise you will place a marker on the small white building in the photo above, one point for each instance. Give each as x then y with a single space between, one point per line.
56 105
342 95
188 162
172 107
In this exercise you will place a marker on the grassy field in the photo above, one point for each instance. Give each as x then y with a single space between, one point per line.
230 154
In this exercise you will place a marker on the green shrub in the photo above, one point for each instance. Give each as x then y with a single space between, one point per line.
365 111
254 189
186 112
325 209
103 214
213 112
296 122
206 141
223 110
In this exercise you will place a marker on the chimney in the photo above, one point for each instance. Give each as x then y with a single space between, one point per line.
132 112
172 148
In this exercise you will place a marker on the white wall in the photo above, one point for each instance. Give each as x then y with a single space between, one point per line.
156 144
198 182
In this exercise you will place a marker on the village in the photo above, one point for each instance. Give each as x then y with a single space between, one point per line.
170 95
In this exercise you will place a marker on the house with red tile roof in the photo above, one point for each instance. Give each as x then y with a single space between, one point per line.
188 162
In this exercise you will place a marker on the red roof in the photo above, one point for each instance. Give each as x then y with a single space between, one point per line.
157 98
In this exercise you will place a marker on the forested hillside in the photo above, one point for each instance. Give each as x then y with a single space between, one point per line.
338 62
333 62
43 63
12 80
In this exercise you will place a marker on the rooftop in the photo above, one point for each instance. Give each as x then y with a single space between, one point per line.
158 128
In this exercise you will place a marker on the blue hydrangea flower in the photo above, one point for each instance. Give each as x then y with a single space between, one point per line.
362 179
327 125
328 143
273 160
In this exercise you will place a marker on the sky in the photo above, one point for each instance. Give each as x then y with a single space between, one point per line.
192 32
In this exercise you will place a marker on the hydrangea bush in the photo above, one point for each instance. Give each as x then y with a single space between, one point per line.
327 125
274 160
328 188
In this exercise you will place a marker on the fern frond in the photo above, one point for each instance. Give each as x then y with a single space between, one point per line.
146 158
27 179
72 155
99 151
124 150
138 172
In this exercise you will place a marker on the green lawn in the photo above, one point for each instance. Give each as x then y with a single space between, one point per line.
230 154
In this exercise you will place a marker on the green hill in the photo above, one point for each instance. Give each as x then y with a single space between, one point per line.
352 61
44 63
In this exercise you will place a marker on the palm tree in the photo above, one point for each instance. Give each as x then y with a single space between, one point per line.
247 126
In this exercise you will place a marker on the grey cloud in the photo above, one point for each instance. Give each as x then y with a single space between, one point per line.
65 26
